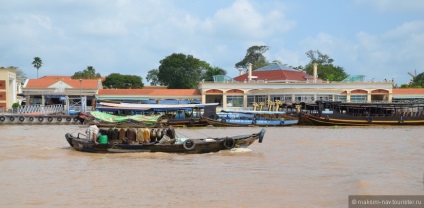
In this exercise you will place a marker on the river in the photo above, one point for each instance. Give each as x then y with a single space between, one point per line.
294 167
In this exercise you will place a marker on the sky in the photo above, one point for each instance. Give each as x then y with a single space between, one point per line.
381 39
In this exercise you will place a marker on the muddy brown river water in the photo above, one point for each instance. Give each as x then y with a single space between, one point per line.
294 167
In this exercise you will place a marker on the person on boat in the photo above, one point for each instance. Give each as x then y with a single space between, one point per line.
81 117
92 132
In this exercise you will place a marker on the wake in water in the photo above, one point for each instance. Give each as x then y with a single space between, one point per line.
240 150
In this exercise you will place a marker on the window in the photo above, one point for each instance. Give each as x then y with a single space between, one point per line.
358 98
340 98
304 98
2 95
2 84
325 97
234 101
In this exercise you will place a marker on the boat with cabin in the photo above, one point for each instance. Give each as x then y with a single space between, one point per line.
168 114
334 113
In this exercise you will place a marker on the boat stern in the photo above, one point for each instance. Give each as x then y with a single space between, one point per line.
261 135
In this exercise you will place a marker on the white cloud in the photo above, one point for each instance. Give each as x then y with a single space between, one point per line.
393 53
104 27
243 20
388 55
393 5
407 29
402 44
338 48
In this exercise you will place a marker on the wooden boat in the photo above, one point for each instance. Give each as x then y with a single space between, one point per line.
175 115
181 145
362 114
252 118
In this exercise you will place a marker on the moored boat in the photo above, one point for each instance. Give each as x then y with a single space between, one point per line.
178 145
167 114
362 114
252 118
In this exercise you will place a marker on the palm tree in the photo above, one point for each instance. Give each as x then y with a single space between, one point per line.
37 63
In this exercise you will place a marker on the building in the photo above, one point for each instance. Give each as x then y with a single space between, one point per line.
56 90
53 90
276 72
277 82
9 88
408 95
272 83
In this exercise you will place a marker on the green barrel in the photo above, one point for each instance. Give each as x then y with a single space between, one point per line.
102 139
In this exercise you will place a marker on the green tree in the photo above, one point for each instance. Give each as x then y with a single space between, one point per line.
417 81
119 81
326 69
180 71
88 73
254 55
152 77
37 63
300 67
209 72
319 58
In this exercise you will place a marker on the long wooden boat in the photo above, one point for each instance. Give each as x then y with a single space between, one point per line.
168 114
181 145
252 118
362 114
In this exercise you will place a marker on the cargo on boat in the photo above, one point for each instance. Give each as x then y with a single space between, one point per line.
157 140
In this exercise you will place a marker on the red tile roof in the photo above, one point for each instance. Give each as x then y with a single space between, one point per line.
47 81
408 91
276 75
151 92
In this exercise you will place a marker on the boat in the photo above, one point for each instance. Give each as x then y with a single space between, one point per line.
252 118
168 114
337 113
179 145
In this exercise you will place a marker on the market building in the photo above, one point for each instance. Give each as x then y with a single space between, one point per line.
277 82
272 83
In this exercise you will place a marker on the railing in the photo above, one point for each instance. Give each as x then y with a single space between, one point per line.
49 109
73 109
